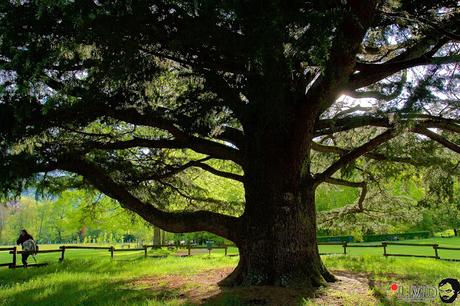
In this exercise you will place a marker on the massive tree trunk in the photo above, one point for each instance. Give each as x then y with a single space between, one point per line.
278 247
277 232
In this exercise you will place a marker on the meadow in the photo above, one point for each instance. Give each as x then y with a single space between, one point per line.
408 250
90 277
334 249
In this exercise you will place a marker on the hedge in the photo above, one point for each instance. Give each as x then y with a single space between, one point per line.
335 239
382 237
397 236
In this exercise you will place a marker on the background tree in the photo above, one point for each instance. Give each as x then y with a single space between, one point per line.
119 94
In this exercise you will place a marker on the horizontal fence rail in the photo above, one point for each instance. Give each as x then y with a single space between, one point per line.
448 248
14 251
87 247
7 249
409 244
386 245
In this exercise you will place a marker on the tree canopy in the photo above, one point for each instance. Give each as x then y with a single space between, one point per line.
135 97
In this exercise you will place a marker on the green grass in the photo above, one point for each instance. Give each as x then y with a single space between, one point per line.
394 249
420 269
5 257
99 281
403 271
447 254
89 277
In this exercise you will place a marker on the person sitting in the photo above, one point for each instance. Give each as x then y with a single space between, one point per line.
29 247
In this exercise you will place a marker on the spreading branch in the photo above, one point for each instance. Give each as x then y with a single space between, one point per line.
436 137
371 155
345 47
372 73
335 125
220 173
355 154
170 221
378 95
197 144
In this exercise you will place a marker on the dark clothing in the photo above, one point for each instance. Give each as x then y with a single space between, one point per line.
24 258
21 239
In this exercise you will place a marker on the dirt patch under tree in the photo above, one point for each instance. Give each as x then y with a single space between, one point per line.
201 288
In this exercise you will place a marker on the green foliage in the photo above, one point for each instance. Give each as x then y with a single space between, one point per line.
330 197
74 216
427 196
121 92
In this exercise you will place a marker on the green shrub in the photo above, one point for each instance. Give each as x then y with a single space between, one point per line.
397 236
335 239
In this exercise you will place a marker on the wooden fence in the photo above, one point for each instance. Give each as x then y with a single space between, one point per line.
14 251
345 245
386 245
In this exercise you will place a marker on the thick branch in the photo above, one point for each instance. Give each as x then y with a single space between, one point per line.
375 94
345 47
356 108
196 144
174 222
420 53
372 73
330 126
432 135
354 154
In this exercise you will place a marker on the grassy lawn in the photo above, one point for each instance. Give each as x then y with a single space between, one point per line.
104 282
447 242
99 281
5 257
394 249
90 277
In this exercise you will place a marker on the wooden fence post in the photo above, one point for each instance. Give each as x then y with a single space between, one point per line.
145 251
111 252
15 250
62 253
344 245
435 247
189 250
384 249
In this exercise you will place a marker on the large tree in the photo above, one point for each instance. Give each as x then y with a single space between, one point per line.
133 96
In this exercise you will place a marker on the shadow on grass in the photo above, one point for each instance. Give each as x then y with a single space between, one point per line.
257 296
13 276
79 293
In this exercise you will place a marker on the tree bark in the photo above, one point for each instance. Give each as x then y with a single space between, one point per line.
277 232
278 247
163 237
156 235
